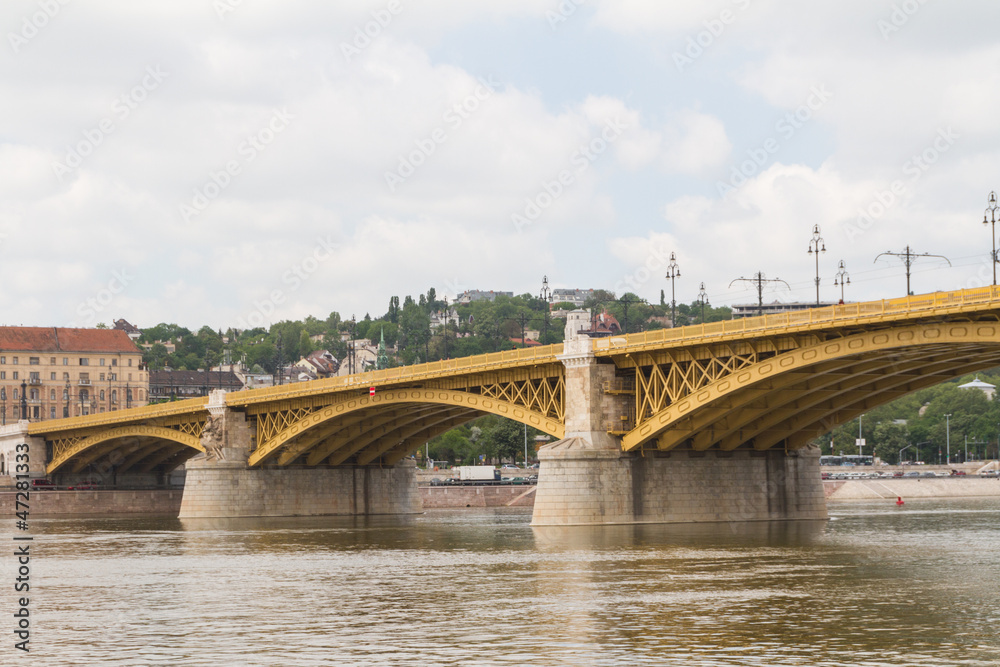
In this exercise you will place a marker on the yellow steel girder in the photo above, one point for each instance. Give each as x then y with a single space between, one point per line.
392 397
884 342
67 451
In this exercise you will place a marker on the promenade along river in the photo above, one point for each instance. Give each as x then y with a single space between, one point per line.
876 585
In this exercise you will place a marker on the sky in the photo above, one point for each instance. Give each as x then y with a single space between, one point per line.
241 162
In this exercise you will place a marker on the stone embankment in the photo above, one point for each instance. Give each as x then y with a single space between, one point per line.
930 487
439 497
98 502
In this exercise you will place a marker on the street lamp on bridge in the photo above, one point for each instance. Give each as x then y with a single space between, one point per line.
991 209
814 248
843 277
702 298
673 275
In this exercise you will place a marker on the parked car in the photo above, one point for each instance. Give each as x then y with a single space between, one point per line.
509 466
41 483
533 466
912 473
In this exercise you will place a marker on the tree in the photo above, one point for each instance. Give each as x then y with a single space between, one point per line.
501 438
890 437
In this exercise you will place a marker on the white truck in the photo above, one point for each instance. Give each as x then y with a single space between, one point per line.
478 474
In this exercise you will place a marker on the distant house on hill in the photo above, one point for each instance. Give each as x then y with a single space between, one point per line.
985 387
130 330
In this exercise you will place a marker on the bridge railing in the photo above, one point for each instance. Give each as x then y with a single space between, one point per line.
151 411
479 362
850 312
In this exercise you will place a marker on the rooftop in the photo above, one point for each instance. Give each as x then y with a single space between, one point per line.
54 339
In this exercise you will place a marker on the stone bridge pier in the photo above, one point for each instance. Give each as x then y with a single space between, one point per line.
220 483
587 479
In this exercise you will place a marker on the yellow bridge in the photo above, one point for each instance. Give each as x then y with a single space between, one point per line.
759 383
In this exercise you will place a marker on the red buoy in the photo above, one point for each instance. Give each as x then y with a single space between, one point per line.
899 500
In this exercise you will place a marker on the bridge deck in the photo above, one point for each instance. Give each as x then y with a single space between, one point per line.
863 314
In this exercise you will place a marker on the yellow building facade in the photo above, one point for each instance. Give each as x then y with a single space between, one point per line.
51 372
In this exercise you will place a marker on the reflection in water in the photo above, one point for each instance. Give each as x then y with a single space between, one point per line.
876 585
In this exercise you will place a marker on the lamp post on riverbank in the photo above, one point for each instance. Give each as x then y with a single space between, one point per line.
947 438
899 461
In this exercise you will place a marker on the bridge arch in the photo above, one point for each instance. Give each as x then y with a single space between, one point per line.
66 451
401 406
819 386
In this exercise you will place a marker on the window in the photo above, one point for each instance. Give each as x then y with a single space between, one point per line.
52 394
52 412
65 361
83 361
84 395
129 377
129 362
114 395
84 378
102 394
34 361
102 361
114 362
52 376
34 411
15 360
102 377
65 376
15 394
112 376
3 375
34 394
65 395
35 379
52 361
15 375
3 360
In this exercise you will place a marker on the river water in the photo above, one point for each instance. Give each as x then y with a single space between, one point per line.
876 585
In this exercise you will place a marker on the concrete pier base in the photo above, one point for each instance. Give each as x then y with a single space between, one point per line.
214 490
219 483
582 485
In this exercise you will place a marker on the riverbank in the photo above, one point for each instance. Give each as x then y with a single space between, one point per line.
98 502
938 487
441 497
